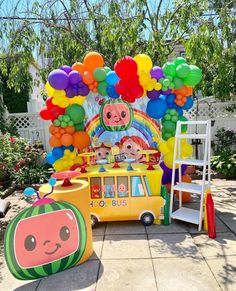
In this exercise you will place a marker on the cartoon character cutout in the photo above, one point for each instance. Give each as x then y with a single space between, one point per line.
131 146
103 150
122 191
96 191
116 115
109 191
48 237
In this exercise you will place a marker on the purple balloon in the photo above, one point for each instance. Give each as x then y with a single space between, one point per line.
167 175
66 69
154 94
81 84
71 91
84 91
58 79
167 92
157 73
74 77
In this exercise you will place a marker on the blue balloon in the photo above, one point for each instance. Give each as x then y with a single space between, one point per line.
112 78
170 98
50 158
58 152
29 191
52 181
188 104
156 108
71 148
111 92
178 109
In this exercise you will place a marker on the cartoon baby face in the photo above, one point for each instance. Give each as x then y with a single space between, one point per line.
102 152
116 114
45 238
121 188
132 149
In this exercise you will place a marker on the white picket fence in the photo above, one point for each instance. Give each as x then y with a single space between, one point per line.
30 126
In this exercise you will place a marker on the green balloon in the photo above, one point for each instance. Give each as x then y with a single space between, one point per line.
173 112
76 113
99 74
178 83
182 71
194 76
63 124
174 118
172 85
102 88
66 118
164 88
179 61
166 82
107 69
56 122
166 135
161 80
60 117
167 117
70 123
169 69
79 127
183 127
169 126
170 78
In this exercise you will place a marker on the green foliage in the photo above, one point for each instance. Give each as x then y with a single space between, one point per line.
21 163
4 125
225 140
63 31
225 163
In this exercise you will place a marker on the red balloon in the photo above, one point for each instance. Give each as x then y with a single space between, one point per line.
45 114
126 68
56 111
137 91
49 103
121 87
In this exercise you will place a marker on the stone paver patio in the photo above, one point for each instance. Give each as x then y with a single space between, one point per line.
128 256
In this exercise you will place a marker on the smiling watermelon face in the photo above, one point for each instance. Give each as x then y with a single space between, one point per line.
116 115
45 239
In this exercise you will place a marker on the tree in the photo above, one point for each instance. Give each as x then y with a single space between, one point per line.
63 31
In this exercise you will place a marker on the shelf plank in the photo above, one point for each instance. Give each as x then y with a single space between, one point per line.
186 214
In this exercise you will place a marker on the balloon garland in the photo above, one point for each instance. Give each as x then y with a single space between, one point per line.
169 89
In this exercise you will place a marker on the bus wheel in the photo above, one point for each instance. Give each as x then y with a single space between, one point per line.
147 219
94 221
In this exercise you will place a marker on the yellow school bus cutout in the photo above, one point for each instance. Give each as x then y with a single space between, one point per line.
118 194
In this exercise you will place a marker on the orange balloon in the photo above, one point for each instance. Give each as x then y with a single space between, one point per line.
70 129
81 140
79 67
186 196
93 60
52 129
189 91
168 186
54 141
184 99
67 139
178 97
91 87
95 83
57 135
88 78
95 90
62 131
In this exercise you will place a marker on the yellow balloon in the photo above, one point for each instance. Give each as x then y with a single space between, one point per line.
158 86
49 89
77 100
187 150
144 77
171 143
54 101
144 62
150 86
59 93
163 148
168 160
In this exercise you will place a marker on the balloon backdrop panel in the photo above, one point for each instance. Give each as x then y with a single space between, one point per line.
135 105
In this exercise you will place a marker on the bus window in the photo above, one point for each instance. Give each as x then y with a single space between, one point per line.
137 187
95 187
147 186
109 187
122 186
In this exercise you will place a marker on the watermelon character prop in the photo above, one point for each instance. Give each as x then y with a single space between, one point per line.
46 238
116 115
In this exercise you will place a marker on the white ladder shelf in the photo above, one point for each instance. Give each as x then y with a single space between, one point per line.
184 213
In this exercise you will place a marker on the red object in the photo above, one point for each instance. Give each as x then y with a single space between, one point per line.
150 165
45 114
210 216
66 177
126 68
116 165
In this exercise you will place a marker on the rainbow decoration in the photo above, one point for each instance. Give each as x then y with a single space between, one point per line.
147 126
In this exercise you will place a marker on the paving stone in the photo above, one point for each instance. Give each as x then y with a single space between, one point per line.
228 216
223 245
173 245
82 277
125 227
97 247
184 274
127 275
125 246
174 227
99 229
224 270
223 183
